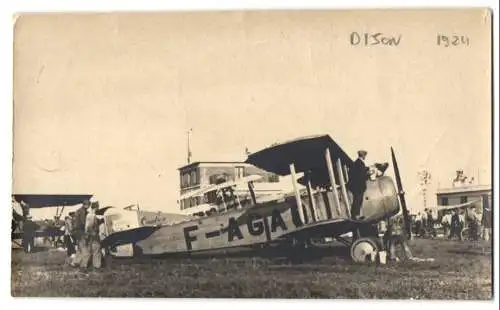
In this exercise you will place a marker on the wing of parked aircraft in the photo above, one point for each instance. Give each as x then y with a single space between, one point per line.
213 187
48 200
36 201
459 206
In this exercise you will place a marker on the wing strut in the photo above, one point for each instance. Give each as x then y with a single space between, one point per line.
297 193
346 174
252 193
343 189
332 180
312 202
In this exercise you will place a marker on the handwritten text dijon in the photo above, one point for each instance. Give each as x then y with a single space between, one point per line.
374 39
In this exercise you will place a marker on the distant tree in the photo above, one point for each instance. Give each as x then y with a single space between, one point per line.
425 179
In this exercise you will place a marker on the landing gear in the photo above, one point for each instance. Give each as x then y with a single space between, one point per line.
364 249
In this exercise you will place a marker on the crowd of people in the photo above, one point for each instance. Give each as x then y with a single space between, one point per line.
82 236
453 224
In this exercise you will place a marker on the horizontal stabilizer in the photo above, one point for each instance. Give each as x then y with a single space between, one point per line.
129 236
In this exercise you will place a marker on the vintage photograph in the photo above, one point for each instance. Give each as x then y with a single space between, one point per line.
334 154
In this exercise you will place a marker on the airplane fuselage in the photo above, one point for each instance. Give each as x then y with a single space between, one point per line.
271 221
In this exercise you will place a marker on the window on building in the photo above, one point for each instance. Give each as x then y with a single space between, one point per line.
194 177
239 172
218 178
273 178
463 199
444 201
211 197
185 180
211 179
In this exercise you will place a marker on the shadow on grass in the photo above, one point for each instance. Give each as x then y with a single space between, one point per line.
292 256
472 252
33 250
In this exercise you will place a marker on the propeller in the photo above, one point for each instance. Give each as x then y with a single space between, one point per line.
401 194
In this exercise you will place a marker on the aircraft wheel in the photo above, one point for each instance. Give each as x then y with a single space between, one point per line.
362 249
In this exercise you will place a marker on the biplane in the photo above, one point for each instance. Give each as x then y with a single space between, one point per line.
318 207
37 201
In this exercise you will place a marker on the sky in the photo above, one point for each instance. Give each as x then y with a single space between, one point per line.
102 102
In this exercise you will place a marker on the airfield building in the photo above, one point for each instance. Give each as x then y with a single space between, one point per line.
477 195
464 194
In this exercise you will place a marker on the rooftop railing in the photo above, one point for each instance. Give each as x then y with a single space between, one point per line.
463 188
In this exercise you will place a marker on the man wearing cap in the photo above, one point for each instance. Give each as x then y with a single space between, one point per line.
358 175
92 238
79 231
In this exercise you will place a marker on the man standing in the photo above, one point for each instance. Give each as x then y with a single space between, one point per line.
68 240
358 175
486 223
418 224
446 223
456 227
29 229
93 239
394 235
79 231
474 222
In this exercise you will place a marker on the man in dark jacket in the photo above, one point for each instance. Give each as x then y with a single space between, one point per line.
29 230
358 175
79 232
456 226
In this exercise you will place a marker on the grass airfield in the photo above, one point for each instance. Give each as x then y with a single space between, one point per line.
461 270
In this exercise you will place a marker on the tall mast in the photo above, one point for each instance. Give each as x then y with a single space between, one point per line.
188 146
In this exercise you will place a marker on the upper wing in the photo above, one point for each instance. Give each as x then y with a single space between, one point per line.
307 154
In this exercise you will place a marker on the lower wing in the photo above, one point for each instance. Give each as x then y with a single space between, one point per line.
326 228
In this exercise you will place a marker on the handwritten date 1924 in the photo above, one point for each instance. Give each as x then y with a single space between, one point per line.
446 41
